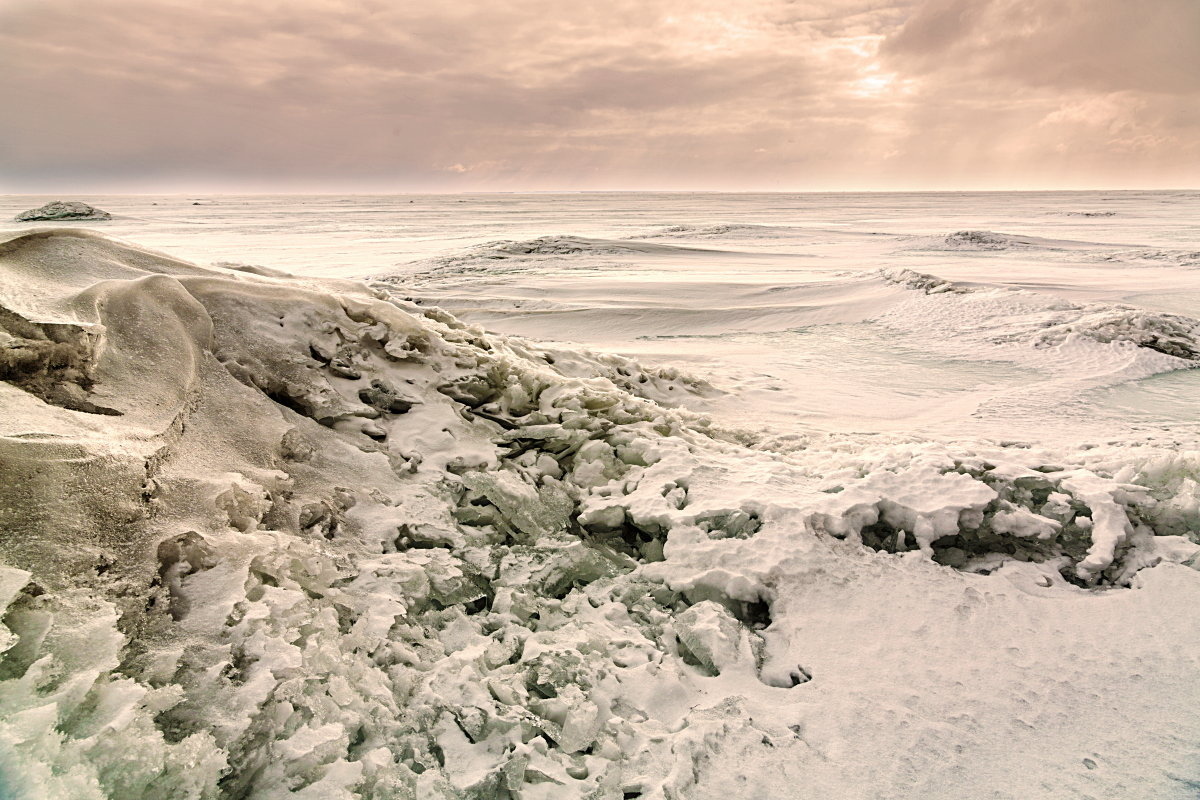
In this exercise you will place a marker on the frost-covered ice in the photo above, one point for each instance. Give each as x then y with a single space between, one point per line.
290 535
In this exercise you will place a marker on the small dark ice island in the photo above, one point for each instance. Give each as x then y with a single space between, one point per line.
59 210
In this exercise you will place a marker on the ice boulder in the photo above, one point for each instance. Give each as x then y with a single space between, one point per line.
62 209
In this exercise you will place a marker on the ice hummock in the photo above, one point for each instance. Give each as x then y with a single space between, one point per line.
323 543
62 210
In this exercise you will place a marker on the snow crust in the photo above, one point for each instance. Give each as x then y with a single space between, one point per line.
272 536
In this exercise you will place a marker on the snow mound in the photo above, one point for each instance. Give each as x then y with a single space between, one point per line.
710 231
566 246
255 269
552 246
62 210
275 537
1175 258
1171 334
974 240
1002 316
920 281
502 256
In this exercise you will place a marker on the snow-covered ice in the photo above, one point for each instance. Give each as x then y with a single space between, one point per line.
748 504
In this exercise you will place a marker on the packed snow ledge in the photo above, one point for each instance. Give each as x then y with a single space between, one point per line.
270 537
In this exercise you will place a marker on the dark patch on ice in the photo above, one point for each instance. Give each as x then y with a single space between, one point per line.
178 557
739 524
52 361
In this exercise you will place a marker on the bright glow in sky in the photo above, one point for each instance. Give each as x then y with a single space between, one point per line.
399 95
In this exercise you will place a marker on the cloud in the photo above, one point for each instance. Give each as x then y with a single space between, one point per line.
1065 88
1098 45
538 94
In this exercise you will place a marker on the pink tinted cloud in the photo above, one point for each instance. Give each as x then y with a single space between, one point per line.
534 94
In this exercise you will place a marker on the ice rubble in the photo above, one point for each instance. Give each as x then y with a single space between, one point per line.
920 281
1002 316
709 231
1152 256
270 537
974 240
62 210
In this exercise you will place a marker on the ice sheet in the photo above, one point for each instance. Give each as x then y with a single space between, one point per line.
857 520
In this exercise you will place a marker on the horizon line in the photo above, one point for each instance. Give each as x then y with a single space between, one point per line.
360 193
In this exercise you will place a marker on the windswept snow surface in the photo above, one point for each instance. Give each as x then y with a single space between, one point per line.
695 497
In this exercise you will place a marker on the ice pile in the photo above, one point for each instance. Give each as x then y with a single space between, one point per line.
975 512
274 537
548 246
920 281
713 231
974 240
959 314
62 210
1154 257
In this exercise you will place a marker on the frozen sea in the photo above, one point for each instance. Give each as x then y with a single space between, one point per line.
792 306
688 497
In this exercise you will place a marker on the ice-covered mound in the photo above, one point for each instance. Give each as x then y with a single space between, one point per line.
973 240
566 245
551 246
1157 257
920 281
501 256
988 241
1171 334
59 210
273 537
712 231
993 241
958 314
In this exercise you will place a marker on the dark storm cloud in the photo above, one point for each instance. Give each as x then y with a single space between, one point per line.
539 94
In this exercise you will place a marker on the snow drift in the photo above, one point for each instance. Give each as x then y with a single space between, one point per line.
280 537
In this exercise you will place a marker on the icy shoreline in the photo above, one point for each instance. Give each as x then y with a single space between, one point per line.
271 536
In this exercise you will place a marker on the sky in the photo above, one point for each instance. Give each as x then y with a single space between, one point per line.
543 95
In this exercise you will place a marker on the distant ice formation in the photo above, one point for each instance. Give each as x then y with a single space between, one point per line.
59 210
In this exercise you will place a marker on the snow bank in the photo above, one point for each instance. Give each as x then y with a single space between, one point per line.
280 537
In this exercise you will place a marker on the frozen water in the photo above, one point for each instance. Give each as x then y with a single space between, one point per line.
601 496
